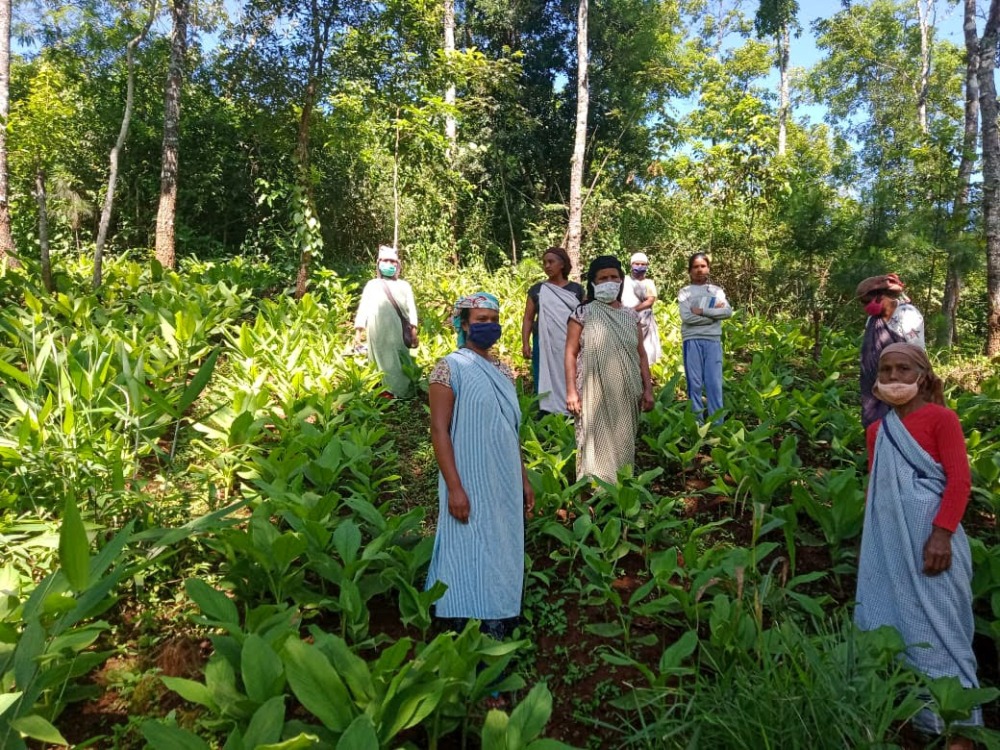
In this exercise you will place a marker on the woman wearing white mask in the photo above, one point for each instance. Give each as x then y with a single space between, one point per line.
607 374
388 309
915 568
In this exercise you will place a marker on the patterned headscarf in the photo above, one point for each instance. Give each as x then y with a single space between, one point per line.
482 300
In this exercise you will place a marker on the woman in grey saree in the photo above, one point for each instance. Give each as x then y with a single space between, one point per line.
543 329
915 569
607 376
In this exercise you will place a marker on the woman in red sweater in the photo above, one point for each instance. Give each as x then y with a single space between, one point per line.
915 569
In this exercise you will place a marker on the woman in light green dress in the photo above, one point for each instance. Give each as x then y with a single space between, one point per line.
385 301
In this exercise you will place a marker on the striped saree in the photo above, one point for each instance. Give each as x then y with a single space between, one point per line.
482 561
933 614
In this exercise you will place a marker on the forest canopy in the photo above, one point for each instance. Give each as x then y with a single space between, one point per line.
320 130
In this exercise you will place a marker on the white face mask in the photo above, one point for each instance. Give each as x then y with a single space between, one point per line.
896 393
608 291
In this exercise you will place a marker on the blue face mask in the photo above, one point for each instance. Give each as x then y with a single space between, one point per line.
484 335
387 269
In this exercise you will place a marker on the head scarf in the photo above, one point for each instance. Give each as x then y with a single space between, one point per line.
932 389
888 282
599 264
639 258
916 355
483 300
385 252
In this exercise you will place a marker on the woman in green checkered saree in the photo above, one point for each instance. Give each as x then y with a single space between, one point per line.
607 375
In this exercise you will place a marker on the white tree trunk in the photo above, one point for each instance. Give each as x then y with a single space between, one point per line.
784 100
109 197
925 14
450 127
575 228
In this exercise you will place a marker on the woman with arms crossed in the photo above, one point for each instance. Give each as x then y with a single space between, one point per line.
703 307
915 569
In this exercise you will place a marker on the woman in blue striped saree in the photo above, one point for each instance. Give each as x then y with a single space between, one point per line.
483 489
915 568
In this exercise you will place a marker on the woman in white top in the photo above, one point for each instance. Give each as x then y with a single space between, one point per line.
387 308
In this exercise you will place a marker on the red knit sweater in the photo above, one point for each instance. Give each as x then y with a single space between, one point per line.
938 431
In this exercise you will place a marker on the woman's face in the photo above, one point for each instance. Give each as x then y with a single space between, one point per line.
481 315
897 368
552 264
607 274
698 271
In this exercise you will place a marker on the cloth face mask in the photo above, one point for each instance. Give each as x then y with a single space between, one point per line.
874 307
608 291
639 270
387 269
896 393
484 335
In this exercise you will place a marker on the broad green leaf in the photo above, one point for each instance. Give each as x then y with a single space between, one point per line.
261 667
494 734
347 538
317 685
353 669
213 603
191 691
7 700
74 547
266 725
37 728
165 737
301 741
12 372
360 735
678 651
198 382
532 714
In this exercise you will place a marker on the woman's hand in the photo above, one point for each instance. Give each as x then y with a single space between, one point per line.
458 504
647 399
937 551
572 401
529 500
698 310
526 351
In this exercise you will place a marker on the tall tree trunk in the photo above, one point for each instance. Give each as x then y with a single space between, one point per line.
43 228
450 126
575 227
960 215
6 237
304 189
784 100
925 12
109 197
309 234
991 173
166 252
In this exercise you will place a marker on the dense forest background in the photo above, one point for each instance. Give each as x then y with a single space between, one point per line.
317 130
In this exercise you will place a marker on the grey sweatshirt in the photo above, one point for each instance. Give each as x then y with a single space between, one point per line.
715 309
